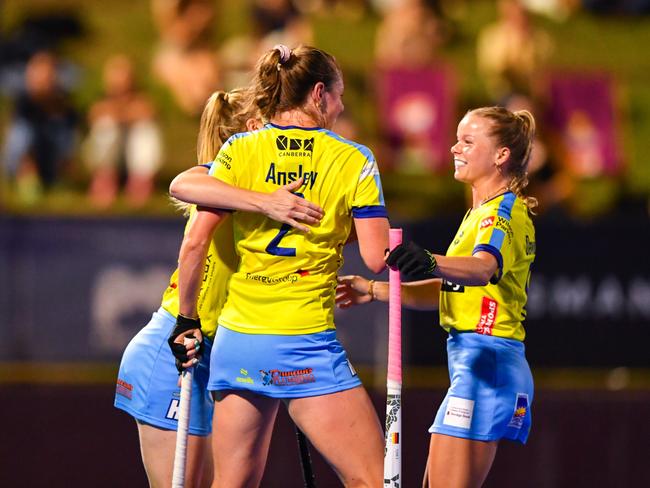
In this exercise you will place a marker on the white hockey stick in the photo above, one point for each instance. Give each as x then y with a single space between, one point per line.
180 455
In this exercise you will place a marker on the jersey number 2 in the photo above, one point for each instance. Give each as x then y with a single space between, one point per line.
274 248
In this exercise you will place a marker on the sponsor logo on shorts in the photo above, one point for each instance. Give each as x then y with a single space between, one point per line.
172 410
123 388
486 222
459 412
244 378
276 377
488 318
521 408
353 371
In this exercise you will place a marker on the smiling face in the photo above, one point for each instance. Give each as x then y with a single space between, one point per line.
476 155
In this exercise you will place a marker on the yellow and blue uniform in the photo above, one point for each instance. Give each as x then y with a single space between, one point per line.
491 388
286 280
501 227
147 384
220 263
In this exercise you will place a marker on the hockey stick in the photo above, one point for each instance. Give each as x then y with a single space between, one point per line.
180 455
305 459
393 450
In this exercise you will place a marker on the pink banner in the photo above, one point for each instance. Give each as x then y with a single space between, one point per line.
417 108
583 119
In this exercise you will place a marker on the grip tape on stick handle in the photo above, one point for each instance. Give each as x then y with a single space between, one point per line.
394 317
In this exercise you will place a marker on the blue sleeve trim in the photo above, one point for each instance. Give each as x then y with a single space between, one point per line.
207 165
505 207
497 255
369 212
496 239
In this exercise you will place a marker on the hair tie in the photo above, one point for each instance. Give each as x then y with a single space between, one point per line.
285 54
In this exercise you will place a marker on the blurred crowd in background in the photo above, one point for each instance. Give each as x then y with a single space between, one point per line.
86 129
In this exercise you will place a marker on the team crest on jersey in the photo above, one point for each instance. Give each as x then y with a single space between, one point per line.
286 378
486 222
521 408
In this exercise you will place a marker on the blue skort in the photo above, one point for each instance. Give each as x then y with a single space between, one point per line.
491 389
147 382
280 366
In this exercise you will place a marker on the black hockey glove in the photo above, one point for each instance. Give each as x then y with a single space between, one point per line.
183 324
411 259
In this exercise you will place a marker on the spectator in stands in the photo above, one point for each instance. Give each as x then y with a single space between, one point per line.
41 136
124 142
409 36
511 52
273 22
186 62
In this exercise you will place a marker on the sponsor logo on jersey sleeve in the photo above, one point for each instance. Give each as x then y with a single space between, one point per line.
224 160
486 222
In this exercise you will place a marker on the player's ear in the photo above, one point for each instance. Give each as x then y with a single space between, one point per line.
253 124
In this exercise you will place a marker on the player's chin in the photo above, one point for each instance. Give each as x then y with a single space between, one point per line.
459 175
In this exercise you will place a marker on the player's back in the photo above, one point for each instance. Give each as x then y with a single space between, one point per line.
286 279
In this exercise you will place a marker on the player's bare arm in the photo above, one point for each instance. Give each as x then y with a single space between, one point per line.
282 205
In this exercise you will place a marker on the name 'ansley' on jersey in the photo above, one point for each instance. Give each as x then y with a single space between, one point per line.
282 178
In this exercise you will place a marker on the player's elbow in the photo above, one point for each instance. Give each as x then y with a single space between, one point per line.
482 277
193 244
375 264
177 187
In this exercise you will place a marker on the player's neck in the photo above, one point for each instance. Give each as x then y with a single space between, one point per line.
481 195
294 117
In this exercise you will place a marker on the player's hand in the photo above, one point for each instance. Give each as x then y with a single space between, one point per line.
285 206
353 290
411 259
185 342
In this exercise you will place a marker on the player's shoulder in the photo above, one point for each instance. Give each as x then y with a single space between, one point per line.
337 140
243 136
